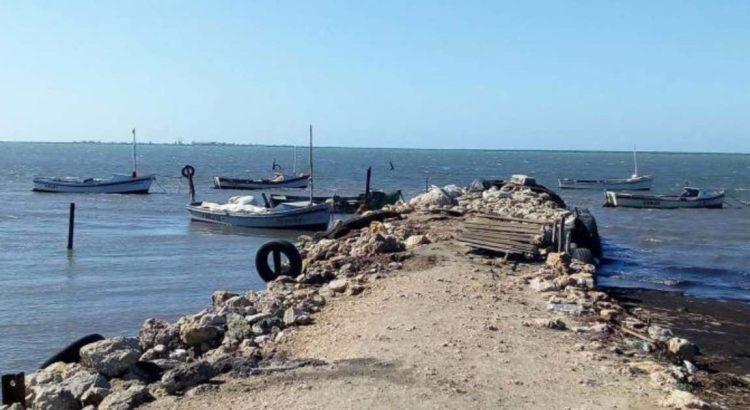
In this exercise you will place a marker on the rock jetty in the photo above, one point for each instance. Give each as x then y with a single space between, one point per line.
239 332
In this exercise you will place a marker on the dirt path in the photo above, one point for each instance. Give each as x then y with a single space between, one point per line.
444 333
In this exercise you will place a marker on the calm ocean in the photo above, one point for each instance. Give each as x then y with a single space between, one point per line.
139 256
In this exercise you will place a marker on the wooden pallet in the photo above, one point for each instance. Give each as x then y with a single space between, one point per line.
510 236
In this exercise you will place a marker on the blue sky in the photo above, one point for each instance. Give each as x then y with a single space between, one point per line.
665 75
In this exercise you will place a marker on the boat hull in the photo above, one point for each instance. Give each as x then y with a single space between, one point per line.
249 184
314 218
345 204
614 199
643 183
140 185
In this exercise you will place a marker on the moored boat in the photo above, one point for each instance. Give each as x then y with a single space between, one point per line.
634 183
689 198
278 181
116 184
290 215
346 204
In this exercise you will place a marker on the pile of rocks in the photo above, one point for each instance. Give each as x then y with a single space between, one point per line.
511 200
570 285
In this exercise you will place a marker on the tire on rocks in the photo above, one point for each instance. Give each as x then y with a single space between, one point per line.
266 272
582 254
70 354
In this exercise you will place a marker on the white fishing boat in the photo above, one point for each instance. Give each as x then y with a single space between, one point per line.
689 198
246 212
634 183
116 184
289 215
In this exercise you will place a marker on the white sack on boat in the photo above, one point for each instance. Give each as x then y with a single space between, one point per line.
244 200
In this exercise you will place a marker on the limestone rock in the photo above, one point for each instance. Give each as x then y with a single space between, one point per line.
94 395
435 197
555 324
111 357
219 297
185 376
416 240
238 328
55 398
238 304
82 381
157 352
201 328
558 261
133 396
265 326
158 332
338 285
294 316
682 348
659 333
541 285
679 399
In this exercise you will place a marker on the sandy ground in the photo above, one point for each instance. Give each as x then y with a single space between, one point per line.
446 332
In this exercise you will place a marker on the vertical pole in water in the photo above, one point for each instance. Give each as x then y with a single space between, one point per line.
71 224
635 162
294 161
427 184
311 165
135 161
367 185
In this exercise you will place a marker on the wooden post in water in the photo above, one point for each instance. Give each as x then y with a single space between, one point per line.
311 166
367 185
71 224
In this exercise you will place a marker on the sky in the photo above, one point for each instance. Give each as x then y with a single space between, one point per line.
590 75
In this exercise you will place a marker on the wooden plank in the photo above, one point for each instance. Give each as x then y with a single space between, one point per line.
496 248
508 242
503 228
522 237
505 223
509 218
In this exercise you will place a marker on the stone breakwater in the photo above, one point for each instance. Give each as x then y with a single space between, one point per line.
238 333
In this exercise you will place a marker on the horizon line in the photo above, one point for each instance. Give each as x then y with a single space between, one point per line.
235 144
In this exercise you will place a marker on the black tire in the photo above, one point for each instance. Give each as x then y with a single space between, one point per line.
71 353
582 254
188 171
266 272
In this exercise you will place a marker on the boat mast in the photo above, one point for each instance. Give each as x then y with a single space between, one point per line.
135 161
635 162
294 162
311 166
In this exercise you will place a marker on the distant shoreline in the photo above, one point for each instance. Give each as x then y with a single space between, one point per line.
233 144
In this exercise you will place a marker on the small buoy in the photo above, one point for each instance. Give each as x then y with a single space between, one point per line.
278 248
